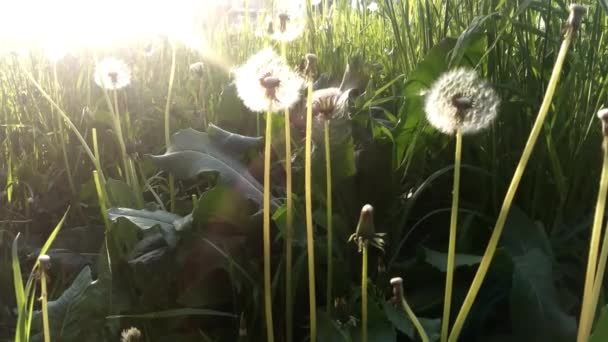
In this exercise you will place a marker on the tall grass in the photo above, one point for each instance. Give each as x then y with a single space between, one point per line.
49 110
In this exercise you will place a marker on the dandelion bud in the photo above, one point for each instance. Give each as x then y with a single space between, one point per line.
196 69
131 335
365 227
242 326
602 114
576 15
310 64
397 284
45 262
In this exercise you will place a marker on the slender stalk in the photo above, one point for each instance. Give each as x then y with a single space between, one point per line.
44 263
96 174
508 200
289 225
449 282
309 223
167 123
329 209
67 120
364 292
593 280
121 139
68 170
423 336
267 275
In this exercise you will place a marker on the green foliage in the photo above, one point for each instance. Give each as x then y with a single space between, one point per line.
189 273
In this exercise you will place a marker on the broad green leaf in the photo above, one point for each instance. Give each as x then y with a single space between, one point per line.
401 322
232 142
79 313
177 313
221 205
600 333
120 194
380 329
439 260
467 37
536 314
191 154
145 219
329 330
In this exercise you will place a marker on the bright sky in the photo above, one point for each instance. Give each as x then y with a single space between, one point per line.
78 23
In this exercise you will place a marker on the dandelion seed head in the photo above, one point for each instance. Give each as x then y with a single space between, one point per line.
130 335
291 26
372 7
602 114
112 74
460 98
265 82
328 103
577 12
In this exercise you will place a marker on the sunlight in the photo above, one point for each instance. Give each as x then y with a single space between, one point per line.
59 26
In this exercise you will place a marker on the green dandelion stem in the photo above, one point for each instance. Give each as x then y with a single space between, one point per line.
593 280
45 308
329 209
452 239
167 123
309 223
267 275
289 225
412 316
508 200
364 291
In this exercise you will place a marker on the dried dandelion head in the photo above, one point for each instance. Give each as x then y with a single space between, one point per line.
461 99
577 12
266 83
329 103
131 335
112 74
197 69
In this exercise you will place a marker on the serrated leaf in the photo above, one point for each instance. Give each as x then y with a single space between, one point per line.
145 219
191 153
439 260
232 142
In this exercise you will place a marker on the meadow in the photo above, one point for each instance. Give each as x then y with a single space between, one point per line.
196 193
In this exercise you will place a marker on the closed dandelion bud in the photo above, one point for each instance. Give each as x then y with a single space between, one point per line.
397 284
365 227
460 99
131 335
577 12
602 114
310 64
45 262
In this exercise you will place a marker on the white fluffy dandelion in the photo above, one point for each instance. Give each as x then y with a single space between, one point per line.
266 83
112 73
460 98
287 27
373 7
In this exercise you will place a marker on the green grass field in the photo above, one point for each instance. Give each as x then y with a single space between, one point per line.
161 181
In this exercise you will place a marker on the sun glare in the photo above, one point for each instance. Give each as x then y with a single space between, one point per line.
59 26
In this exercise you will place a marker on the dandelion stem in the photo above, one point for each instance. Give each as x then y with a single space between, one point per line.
593 280
364 291
329 209
121 139
267 276
167 123
45 309
412 316
289 225
445 322
309 223
508 200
